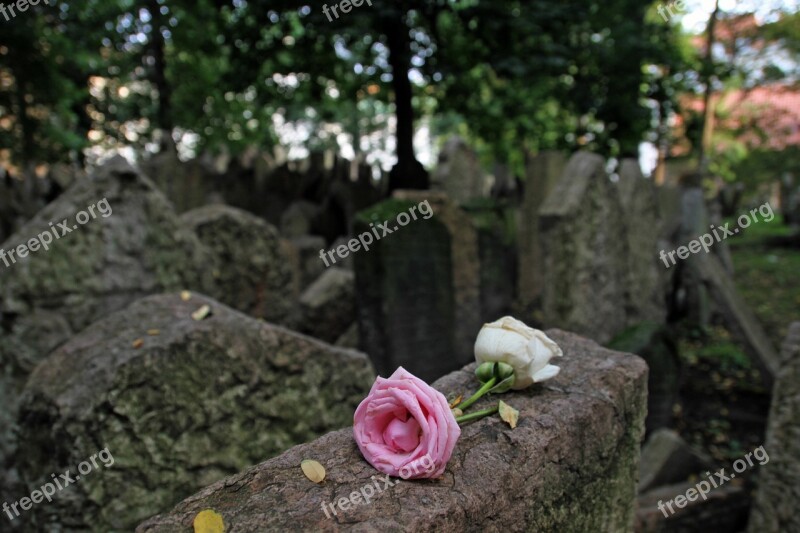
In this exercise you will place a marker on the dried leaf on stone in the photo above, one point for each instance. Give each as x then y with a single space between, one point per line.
186 295
208 521
153 332
509 414
202 313
138 343
457 401
313 470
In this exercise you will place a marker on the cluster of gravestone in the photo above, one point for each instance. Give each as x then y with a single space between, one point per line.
22 196
104 346
170 339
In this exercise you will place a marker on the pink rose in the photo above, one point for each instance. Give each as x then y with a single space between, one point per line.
405 428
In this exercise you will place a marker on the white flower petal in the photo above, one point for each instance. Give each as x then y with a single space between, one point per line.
550 371
526 349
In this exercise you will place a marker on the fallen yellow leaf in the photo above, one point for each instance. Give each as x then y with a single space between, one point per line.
153 332
208 521
186 295
509 414
457 401
313 470
201 313
138 343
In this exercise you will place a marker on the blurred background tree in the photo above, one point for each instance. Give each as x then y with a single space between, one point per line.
80 79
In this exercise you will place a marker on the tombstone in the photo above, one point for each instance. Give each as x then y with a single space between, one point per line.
695 221
347 262
667 458
542 173
775 505
737 316
645 287
187 185
570 466
418 289
304 257
459 173
328 305
180 400
495 224
297 220
503 182
249 267
138 249
585 252
654 343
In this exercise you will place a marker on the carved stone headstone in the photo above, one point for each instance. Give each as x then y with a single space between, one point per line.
495 224
249 268
418 288
653 343
328 305
135 247
585 251
775 505
737 316
180 400
570 465
187 185
542 172
645 294
459 173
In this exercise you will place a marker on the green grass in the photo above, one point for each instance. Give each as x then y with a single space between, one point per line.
768 276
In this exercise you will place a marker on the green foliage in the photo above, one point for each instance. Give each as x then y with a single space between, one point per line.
507 75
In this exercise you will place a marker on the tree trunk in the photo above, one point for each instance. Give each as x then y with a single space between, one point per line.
708 101
163 117
408 173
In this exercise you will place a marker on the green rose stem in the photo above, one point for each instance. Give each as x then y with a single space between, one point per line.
475 397
478 414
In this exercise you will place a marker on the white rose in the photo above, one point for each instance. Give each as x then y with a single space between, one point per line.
526 349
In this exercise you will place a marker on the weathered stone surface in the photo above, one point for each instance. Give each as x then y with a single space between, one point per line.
585 252
653 343
305 259
349 339
250 269
348 262
418 289
459 173
196 402
570 465
98 268
738 317
645 290
666 458
694 221
297 220
775 506
187 185
495 225
328 305
542 174
724 510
